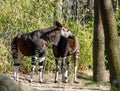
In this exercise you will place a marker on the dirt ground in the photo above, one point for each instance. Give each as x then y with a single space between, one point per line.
84 79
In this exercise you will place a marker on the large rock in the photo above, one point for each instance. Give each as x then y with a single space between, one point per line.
7 84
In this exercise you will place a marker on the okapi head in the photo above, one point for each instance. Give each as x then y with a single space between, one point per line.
63 30
52 35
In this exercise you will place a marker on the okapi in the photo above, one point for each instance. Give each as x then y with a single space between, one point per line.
65 48
35 44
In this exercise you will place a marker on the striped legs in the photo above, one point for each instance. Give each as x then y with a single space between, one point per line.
64 69
75 71
67 70
57 69
75 58
34 58
17 57
41 62
16 71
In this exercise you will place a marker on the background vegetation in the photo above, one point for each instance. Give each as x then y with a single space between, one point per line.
22 16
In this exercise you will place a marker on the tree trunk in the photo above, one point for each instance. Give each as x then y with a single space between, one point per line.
74 10
58 10
111 41
98 46
91 5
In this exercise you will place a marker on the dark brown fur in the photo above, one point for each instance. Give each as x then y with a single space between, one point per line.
28 43
35 44
65 48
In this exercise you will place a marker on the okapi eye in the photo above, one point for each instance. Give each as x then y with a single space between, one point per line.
67 30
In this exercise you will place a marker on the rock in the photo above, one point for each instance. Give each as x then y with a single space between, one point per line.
7 84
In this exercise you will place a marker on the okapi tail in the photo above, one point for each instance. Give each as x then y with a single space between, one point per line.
14 49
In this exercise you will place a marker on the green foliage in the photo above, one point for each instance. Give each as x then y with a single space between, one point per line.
26 65
22 16
49 61
5 62
85 36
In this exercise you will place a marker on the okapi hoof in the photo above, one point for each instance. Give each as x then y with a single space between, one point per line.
41 82
55 81
65 80
30 81
76 82
17 80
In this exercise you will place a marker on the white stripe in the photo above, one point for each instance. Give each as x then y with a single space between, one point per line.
75 70
66 73
40 67
42 59
34 57
40 76
33 66
64 58
16 73
33 71
56 76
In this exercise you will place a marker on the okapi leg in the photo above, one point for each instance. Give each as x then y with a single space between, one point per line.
34 58
57 69
63 69
75 71
41 62
16 71
75 58
17 60
67 70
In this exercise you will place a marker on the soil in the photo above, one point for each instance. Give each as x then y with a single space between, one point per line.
85 82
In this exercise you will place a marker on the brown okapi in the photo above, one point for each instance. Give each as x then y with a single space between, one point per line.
65 48
35 44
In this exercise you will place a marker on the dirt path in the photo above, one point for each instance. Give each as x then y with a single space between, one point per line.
85 83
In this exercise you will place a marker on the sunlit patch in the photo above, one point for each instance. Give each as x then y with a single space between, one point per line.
65 28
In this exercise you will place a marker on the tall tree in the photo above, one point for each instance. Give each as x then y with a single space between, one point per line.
111 41
90 4
98 46
58 10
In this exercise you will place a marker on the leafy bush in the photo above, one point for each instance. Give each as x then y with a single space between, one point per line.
5 62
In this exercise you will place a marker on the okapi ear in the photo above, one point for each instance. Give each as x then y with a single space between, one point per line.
56 23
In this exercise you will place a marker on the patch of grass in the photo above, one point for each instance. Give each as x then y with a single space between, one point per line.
92 83
84 76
